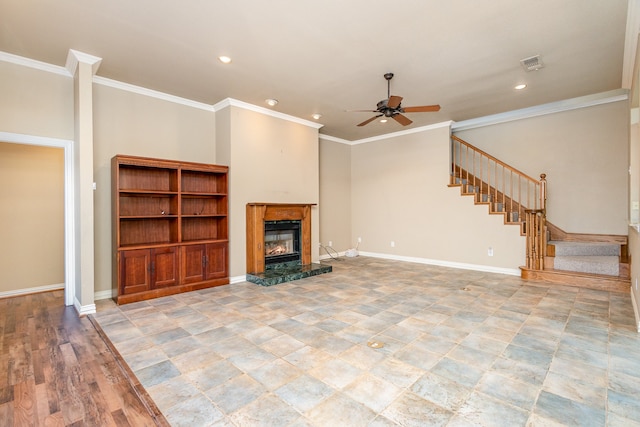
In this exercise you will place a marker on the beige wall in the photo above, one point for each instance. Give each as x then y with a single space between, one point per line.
585 155
39 103
399 193
335 196
634 232
271 160
35 102
139 125
32 217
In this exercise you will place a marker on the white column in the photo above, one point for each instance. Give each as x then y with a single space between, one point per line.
82 67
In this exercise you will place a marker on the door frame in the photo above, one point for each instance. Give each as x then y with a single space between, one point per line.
69 201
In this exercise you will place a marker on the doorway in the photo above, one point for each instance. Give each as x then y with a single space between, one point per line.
69 252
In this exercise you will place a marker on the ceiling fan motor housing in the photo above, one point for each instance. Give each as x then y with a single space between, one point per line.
391 107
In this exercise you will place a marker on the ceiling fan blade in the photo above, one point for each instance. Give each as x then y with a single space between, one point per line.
394 101
421 109
402 119
361 111
369 120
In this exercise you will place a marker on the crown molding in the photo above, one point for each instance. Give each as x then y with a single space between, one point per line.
388 135
230 102
75 57
544 109
32 63
335 139
150 93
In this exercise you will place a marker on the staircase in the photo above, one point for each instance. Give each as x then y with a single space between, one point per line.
591 261
585 260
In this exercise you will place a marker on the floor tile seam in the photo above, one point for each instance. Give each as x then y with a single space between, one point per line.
396 398
507 403
334 391
546 375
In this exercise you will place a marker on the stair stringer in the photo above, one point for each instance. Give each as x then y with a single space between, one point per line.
484 194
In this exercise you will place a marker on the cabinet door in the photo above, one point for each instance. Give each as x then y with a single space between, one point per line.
216 261
164 267
135 266
193 259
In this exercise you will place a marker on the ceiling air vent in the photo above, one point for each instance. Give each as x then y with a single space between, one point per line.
532 63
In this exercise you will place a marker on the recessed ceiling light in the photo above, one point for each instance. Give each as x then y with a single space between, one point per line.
383 120
272 102
316 116
520 87
224 59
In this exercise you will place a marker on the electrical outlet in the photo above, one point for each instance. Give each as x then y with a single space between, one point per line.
359 239
393 244
490 251
635 205
330 243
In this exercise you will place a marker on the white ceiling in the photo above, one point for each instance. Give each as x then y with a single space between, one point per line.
330 56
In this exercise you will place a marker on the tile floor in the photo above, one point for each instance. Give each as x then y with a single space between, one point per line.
461 348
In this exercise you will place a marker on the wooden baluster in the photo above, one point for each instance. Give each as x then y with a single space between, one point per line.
466 162
511 194
519 198
529 233
504 190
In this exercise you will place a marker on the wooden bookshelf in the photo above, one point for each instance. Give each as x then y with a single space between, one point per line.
170 227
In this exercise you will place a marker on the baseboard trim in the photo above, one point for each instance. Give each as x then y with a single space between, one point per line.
34 290
83 310
441 263
327 256
108 294
237 279
636 309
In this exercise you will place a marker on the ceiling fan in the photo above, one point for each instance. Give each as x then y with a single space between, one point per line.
391 107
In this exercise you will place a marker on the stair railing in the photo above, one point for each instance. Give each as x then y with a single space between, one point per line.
506 189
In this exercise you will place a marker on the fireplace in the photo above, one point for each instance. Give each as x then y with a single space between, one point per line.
281 242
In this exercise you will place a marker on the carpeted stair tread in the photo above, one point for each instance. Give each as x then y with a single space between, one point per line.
594 264
585 248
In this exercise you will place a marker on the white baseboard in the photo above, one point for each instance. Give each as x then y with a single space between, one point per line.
35 290
108 294
327 256
83 310
636 309
459 265
237 279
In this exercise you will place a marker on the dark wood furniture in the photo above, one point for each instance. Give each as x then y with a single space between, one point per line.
258 213
170 227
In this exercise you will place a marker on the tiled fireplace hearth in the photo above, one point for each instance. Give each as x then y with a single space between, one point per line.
279 243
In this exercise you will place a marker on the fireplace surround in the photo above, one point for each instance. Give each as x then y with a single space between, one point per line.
279 243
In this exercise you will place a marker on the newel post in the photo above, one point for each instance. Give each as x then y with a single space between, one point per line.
543 193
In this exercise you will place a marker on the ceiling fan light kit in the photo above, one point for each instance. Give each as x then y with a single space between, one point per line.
392 108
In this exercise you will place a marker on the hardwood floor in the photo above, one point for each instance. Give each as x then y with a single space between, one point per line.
55 370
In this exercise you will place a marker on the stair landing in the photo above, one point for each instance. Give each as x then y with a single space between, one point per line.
594 265
582 280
